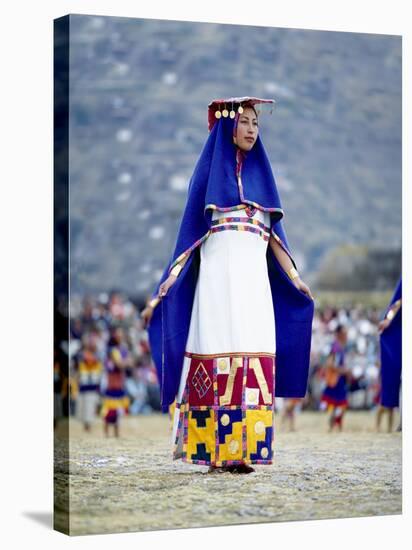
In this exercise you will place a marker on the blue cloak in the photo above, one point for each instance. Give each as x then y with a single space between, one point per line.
214 185
391 355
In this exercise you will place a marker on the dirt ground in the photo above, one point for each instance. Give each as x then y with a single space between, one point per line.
132 484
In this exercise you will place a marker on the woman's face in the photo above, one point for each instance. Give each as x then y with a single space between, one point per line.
247 129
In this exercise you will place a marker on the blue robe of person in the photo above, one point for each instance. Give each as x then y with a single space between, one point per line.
337 395
391 355
214 185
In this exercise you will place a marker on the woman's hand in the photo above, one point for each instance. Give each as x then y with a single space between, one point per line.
164 287
146 315
303 287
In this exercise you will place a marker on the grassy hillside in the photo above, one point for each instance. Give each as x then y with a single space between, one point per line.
139 94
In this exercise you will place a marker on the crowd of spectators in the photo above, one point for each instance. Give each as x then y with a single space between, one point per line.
362 354
93 320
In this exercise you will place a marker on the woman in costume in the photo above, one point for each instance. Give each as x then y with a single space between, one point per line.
390 330
89 373
229 302
115 399
289 413
334 396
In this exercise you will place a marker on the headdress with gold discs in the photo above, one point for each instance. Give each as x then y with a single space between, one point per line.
233 107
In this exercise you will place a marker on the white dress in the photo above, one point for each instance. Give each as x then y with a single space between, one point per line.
224 407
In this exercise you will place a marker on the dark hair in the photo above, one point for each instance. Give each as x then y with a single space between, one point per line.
250 106
340 328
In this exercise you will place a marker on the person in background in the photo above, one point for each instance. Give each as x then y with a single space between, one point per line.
57 386
137 390
89 372
115 400
69 391
390 330
289 412
334 396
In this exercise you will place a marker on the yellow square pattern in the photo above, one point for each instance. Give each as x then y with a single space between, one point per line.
231 449
256 423
196 434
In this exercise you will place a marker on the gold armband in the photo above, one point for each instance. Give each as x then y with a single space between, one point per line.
292 273
153 302
390 315
176 270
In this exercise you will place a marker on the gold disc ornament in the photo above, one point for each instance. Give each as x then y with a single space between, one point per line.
225 113
264 452
225 419
222 365
240 109
260 427
218 114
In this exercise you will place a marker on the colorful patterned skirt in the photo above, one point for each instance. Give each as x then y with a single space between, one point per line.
115 404
224 410
336 396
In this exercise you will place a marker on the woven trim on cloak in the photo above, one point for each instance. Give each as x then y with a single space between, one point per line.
241 206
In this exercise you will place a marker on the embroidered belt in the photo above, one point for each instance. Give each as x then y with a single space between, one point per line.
242 224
